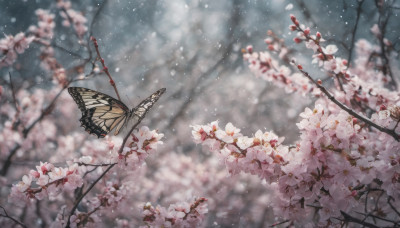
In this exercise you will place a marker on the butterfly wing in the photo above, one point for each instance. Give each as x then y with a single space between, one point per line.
100 112
140 111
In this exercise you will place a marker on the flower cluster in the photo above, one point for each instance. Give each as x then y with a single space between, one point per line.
45 28
44 35
181 214
144 142
73 17
111 196
328 169
361 83
46 181
338 159
264 65
10 46
261 155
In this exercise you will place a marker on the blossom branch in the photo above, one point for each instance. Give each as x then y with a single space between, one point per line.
390 132
305 36
105 68
262 155
194 206
181 214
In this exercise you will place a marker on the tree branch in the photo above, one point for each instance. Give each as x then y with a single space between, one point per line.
349 110
13 219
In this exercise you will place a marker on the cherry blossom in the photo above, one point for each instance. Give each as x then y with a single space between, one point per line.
181 214
50 180
10 46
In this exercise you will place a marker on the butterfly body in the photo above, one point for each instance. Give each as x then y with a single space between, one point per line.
102 113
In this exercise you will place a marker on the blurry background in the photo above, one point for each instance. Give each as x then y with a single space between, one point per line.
192 48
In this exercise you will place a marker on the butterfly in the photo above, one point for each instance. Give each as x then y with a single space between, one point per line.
102 113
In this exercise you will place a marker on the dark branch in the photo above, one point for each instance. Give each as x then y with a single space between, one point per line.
349 218
353 35
9 217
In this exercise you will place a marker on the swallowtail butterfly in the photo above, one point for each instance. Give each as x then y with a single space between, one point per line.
102 113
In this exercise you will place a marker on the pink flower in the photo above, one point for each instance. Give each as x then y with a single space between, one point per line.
23 185
330 49
43 180
21 42
312 45
244 142
77 19
229 134
17 197
44 168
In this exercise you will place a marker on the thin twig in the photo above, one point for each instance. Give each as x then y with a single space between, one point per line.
280 223
96 45
67 51
94 19
96 165
349 218
13 219
16 106
353 35
7 163
391 205
374 216
382 24
101 7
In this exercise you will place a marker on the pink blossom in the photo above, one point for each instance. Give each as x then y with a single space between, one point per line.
330 49
71 16
10 46
229 134
181 214
312 45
